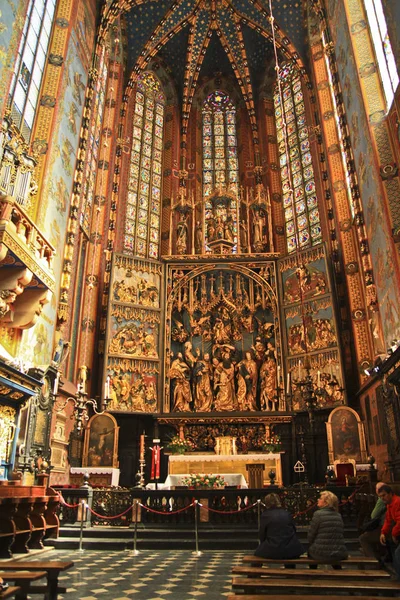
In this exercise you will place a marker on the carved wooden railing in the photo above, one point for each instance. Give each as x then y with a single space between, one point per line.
224 507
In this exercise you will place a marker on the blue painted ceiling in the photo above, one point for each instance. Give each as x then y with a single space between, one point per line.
225 35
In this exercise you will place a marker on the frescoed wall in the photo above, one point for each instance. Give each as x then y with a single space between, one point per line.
380 243
57 186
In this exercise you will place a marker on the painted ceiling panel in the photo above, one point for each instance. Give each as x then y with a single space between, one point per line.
201 26
173 53
179 12
228 28
216 60
141 22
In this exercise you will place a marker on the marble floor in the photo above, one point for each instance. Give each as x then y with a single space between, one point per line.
151 575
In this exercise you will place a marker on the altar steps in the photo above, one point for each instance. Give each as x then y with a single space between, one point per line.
155 537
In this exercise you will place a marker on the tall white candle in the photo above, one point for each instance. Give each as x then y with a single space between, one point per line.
288 384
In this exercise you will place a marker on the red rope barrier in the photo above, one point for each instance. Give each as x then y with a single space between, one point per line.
66 503
113 517
228 512
173 512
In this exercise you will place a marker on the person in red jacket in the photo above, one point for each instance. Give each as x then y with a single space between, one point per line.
390 532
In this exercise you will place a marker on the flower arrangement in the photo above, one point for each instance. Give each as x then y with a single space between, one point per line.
201 480
179 445
273 444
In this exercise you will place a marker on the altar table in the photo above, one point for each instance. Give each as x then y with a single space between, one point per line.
97 475
180 464
234 479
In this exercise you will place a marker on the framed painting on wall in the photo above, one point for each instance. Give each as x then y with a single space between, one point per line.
101 442
346 437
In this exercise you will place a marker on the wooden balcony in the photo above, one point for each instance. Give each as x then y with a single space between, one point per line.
27 279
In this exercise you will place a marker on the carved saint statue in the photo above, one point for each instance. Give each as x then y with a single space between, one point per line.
198 238
268 383
182 236
244 238
180 372
202 384
258 232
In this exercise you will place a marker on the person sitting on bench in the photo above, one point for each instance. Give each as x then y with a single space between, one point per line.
278 538
326 532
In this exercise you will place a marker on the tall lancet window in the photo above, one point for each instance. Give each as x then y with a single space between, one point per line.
300 203
142 225
220 162
30 64
383 48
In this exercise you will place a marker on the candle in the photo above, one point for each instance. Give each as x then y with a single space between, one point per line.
279 375
142 447
107 387
288 384
319 379
299 370
56 382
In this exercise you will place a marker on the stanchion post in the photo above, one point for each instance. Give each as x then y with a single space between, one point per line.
83 520
259 516
196 527
135 550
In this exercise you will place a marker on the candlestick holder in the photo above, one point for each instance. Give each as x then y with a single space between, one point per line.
142 465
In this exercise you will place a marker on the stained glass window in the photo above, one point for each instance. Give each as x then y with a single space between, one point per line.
383 48
300 204
142 226
220 162
220 156
30 64
93 151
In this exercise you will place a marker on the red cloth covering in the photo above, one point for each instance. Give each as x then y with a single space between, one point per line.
392 515
155 462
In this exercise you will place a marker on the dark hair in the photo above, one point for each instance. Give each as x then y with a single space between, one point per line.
272 501
386 488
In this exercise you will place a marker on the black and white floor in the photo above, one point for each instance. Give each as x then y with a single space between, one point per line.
151 575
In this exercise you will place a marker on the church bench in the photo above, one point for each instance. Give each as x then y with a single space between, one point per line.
318 573
312 584
9 592
52 568
8 508
22 580
361 562
298 597
27 515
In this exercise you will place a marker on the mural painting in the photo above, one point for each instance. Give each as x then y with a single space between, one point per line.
380 244
310 330
133 336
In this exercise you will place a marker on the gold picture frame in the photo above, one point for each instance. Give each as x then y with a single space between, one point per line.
101 442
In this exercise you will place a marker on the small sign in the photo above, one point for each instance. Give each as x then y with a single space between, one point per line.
299 467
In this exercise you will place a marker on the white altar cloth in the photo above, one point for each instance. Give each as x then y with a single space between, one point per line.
98 471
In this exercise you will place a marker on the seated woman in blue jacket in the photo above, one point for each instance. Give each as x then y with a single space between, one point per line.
278 537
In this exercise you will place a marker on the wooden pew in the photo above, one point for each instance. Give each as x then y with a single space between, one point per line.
299 597
361 562
27 515
310 584
22 580
317 573
9 592
52 569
